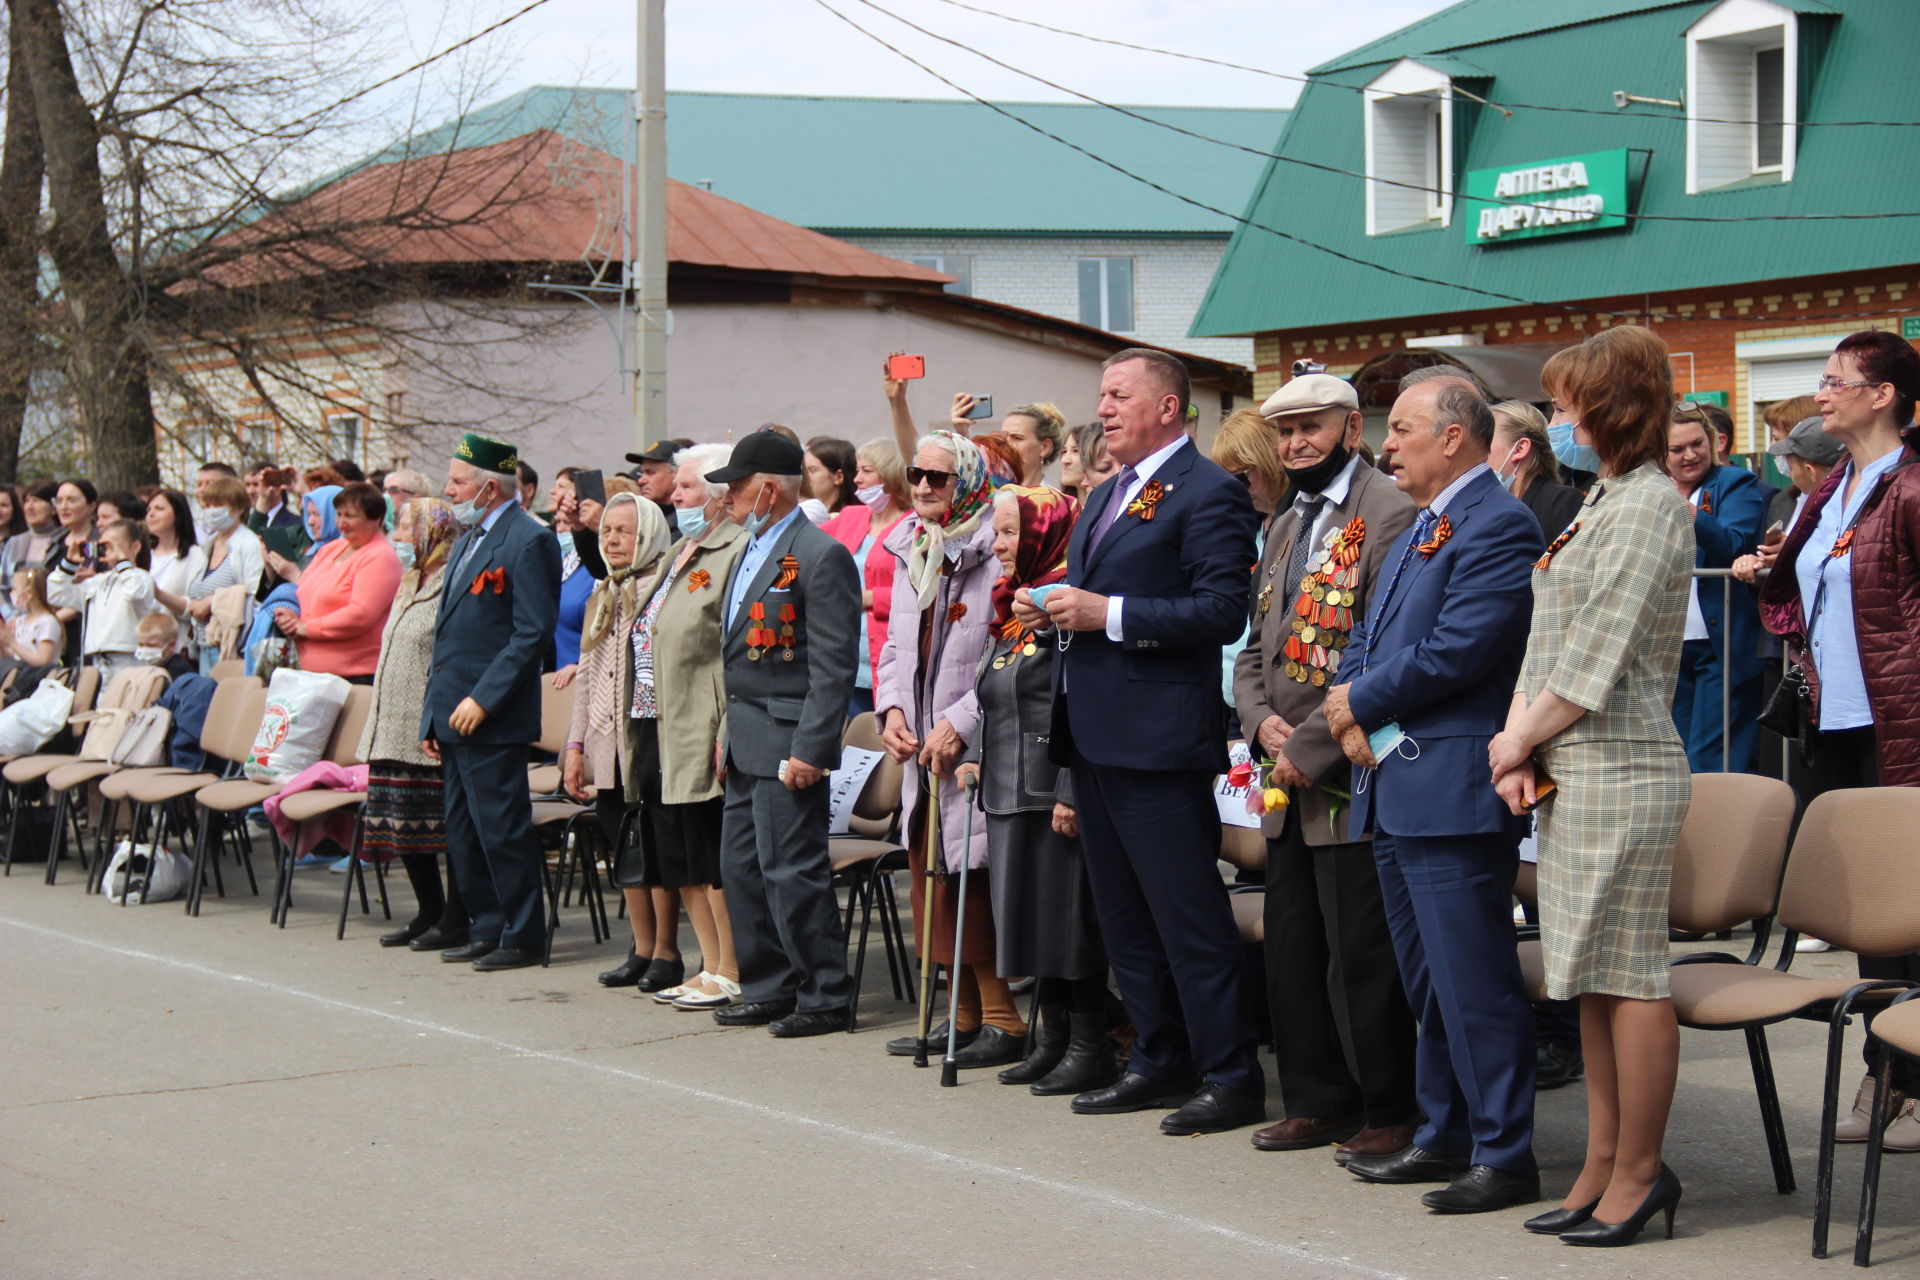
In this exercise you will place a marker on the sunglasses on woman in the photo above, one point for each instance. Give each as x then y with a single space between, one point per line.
935 479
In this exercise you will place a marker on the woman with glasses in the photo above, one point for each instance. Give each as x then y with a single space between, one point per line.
925 704
1845 590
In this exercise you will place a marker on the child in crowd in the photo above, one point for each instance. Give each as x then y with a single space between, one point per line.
30 640
115 591
157 644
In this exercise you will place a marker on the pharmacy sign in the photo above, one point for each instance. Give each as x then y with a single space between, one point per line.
1546 198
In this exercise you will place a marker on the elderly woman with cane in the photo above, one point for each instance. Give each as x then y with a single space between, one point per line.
1042 909
633 536
927 711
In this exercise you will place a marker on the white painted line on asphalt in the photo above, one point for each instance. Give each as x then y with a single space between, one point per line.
899 1146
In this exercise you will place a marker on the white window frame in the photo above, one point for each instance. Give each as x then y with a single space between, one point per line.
963 282
1722 44
1106 290
359 436
1392 99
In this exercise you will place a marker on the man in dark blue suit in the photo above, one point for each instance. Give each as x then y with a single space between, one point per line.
483 702
1434 669
1160 567
1729 508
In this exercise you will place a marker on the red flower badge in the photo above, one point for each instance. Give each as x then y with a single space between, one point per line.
495 577
1149 498
1441 532
698 579
788 575
956 611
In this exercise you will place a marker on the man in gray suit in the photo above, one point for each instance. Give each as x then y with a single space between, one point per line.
789 640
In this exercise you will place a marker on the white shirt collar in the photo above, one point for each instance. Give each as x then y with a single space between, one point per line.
1157 459
1439 504
1336 489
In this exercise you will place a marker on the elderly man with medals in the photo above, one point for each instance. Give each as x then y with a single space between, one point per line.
1343 1034
788 634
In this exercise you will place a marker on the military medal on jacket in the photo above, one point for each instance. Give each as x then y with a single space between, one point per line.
1324 610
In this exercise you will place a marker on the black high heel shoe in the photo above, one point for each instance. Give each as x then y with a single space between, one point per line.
1664 1194
402 936
1555 1221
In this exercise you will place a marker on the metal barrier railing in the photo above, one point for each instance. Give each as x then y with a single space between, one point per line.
1727 585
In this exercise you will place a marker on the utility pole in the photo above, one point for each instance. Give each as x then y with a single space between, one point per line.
648 270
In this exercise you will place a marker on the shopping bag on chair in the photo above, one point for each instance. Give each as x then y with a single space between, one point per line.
301 709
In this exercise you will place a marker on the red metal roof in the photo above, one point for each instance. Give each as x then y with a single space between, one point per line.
537 198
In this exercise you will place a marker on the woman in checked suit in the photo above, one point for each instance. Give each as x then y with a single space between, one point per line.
1593 714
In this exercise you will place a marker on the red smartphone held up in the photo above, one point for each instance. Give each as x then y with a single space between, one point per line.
904 368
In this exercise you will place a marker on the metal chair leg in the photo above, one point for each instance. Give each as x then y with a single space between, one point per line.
1771 1122
1876 1147
57 847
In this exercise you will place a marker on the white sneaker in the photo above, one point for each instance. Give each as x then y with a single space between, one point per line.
728 993
671 994
1813 944
1852 1127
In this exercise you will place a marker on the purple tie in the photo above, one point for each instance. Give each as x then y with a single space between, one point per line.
1122 483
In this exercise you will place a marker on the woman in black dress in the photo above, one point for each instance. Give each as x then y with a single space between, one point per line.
1041 905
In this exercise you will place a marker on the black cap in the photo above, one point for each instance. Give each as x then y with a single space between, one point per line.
659 451
762 453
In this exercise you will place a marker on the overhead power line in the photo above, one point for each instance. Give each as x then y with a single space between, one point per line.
1132 114
1353 88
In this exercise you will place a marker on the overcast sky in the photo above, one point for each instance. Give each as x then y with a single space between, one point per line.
796 46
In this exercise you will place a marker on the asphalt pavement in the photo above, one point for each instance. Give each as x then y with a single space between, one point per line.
217 1097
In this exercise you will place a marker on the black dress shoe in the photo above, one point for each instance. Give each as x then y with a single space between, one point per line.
509 958
627 973
404 935
814 1022
1557 1064
662 974
903 1046
753 1014
1482 1189
438 939
469 953
991 1048
1133 1092
1415 1164
1216 1108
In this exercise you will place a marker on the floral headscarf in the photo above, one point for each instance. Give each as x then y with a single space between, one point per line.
619 594
435 529
972 492
1047 518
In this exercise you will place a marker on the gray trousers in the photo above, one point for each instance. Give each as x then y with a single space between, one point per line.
786 926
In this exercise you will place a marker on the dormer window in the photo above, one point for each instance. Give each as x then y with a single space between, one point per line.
1742 100
1409 148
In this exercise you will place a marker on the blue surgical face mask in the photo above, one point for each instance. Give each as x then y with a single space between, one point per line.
406 553
468 513
755 522
1570 452
566 543
692 521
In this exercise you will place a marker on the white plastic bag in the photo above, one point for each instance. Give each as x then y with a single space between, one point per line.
27 726
153 878
301 709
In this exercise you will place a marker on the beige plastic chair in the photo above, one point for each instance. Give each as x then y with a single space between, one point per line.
1849 880
556 720
1245 849
238 795
228 667
1896 1031
864 861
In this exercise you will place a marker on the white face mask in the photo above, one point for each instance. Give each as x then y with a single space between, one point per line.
150 654
873 497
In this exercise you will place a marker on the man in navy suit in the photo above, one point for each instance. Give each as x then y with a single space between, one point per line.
1729 508
1434 669
1159 565
483 702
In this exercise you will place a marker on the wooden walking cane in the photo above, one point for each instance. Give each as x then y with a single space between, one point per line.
926 924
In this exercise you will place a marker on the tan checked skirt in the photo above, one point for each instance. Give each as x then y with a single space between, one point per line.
1606 864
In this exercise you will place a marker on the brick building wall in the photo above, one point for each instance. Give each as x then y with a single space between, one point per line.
1705 328
1171 276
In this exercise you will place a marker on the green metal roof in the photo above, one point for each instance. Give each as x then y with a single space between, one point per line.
1863 73
1475 22
880 165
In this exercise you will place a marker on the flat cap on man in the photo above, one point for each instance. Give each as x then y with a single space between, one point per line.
761 453
1310 393
487 455
1809 441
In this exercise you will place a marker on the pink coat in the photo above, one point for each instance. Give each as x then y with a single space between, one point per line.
945 692
323 776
